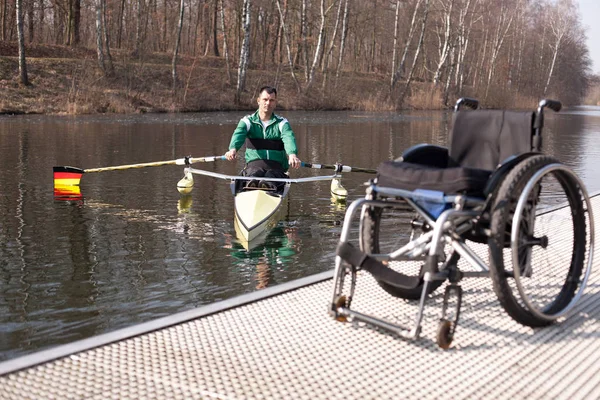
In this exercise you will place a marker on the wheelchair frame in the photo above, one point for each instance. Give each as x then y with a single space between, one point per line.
452 227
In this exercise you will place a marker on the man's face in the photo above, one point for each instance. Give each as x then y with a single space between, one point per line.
267 102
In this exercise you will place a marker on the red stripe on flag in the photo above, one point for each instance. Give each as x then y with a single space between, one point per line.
67 175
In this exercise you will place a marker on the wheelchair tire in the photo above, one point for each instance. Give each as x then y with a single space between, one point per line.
370 235
512 287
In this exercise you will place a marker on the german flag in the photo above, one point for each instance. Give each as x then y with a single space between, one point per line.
67 176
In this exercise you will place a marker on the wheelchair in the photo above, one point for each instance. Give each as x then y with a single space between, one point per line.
491 186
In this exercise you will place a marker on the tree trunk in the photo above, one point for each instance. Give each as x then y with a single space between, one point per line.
138 29
225 48
120 28
331 46
287 46
445 43
245 51
417 52
176 49
3 15
76 23
215 29
69 27
30 21
105 36
342 41
320 40
395 48
99 50
506 18
304 35
21 40
413 26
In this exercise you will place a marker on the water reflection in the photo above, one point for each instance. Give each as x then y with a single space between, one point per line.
265 259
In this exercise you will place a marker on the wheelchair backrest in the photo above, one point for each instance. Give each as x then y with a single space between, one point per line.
482 139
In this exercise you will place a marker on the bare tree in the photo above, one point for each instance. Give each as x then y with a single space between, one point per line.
215 29
245 51
445 37
21 40
225 48
177 41
505 17
413 25
287 44
563 19
138 29
331 45
105 36
320 40
417 52
342 40
463 39
99 41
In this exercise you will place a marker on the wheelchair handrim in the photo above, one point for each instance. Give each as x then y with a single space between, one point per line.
522 202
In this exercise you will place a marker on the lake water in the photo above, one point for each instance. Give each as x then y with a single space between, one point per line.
133 249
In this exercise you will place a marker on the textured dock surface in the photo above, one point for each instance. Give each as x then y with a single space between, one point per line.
280 343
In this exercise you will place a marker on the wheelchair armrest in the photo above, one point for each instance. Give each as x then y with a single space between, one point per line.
503 169
426 154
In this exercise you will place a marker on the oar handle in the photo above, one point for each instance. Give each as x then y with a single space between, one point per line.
180 161
339 168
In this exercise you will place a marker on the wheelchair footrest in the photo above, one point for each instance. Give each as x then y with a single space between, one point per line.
380 271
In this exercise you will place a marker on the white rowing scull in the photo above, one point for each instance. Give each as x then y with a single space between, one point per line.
257 209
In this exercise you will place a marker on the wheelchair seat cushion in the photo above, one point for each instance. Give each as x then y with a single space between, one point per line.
409 176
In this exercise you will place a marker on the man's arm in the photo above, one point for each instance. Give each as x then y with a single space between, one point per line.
288 138
237 140
289 143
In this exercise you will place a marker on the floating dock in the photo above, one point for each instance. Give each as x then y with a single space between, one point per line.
280 343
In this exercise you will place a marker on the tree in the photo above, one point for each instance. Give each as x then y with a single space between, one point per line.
287 45
245 51
177 41
320 40
21 40
562 20
225 48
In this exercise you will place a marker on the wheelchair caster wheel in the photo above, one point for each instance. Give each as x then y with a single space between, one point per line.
445 334
340 302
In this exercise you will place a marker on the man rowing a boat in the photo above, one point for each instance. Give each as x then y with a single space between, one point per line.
270 142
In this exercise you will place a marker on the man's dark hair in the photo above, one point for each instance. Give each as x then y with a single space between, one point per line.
268 89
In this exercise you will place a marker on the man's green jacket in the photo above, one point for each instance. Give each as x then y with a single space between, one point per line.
278 129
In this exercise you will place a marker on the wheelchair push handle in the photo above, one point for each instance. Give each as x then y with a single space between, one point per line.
467 102
551 104
555 106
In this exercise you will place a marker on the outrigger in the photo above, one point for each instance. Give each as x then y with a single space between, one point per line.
256 209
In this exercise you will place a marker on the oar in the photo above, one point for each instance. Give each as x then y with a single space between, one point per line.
339 168
70 176
338 192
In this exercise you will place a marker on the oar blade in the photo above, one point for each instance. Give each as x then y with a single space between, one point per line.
67 176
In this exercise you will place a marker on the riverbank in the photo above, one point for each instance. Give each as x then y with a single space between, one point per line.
66 80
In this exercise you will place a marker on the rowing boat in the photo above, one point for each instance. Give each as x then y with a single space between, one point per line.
256 210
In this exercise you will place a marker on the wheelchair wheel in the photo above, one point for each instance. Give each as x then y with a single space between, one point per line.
537 257
381 232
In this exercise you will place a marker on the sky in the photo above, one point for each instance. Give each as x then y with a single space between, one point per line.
590 18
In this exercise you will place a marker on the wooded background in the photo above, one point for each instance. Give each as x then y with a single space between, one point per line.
493 50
